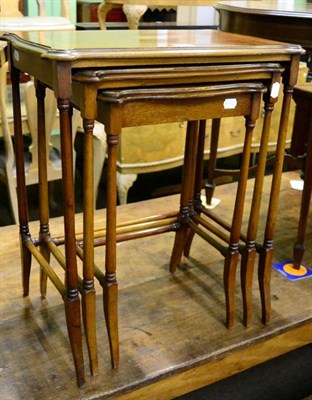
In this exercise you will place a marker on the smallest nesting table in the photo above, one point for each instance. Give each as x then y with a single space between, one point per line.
136 107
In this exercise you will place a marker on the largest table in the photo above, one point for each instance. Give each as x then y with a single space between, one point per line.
110 59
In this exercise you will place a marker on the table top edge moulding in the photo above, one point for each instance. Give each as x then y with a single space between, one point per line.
146 44
139 48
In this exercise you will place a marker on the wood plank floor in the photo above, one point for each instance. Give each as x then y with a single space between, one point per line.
172 334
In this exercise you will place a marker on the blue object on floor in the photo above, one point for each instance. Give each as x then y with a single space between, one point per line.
292 274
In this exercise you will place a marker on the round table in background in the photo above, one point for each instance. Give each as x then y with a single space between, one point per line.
283 21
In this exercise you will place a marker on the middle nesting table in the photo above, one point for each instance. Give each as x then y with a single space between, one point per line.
118 80
136 107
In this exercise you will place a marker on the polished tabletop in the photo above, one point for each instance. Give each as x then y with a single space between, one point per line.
167 46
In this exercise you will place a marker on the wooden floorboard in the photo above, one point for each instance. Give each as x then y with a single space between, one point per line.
172 334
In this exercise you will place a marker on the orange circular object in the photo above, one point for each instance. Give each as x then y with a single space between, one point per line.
289 269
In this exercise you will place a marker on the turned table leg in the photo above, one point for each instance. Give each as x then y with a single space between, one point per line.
110 285
21 182
71 297
266 250
44 233
232 251
187 192
88 289
248 252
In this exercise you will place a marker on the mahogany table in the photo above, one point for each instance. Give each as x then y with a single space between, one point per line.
76 65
